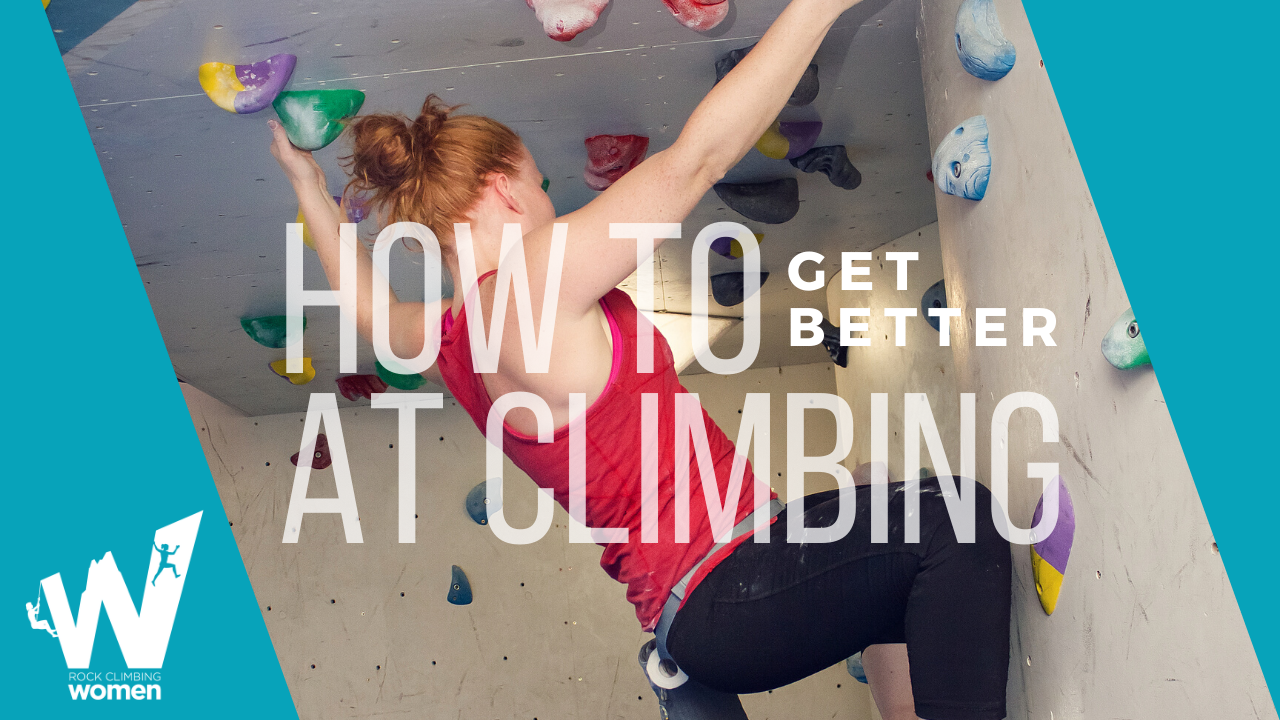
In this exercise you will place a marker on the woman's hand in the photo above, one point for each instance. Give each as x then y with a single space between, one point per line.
299 166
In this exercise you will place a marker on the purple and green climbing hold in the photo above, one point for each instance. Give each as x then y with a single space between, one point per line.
773 202
1049 556
832 161
459 588
243 89
314 118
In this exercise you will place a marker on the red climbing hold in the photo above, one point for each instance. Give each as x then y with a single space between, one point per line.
562 20
928 175
697 15
354 387
320 458
609 157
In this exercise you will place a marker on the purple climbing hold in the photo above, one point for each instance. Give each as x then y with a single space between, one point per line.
249 88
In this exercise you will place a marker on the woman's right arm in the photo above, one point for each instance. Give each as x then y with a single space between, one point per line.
323 217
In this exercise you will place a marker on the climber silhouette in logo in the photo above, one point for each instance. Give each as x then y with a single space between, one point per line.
165 552
32 612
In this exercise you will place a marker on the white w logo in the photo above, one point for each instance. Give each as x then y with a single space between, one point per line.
143 636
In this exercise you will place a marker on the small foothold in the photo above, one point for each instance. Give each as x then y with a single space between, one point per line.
320 458
787 140
772 202
477 504
983 49
854 665
356 387
1123 345
730 247
307 375
934 297
268 330
962 163
729 288
562 20
831 341
314 118
1049 556
400 381
243 89
832 161
609 157
697 15
806 90
459 588
925 473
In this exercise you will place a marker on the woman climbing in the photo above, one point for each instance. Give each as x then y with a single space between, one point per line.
737 617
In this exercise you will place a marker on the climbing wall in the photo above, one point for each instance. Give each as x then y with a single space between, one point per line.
1146 625
364 630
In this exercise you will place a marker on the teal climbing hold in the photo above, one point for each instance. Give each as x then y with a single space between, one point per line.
1123 345
459 588
268 330
477 502
408 381
314 118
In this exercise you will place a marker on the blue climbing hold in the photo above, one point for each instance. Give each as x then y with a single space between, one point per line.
853 664
459 588
934 297
477 501
983 49
962 163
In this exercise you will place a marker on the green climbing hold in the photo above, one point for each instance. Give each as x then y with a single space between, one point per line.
1123 345
398 380
268 330
314 118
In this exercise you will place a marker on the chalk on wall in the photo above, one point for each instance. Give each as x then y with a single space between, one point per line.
729 288
459 588
832 161
806 90
784 140
1123 345
962 163
697 15
249 88
934 297
302 378
980 42
400 381
609 157
268 330
355 387
730 247
773 202
562 20
319 454
314 118
1049 556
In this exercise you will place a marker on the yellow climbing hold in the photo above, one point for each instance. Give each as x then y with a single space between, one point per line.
1048 582
307 375
46 4
772 144
221 84
735 247
306 234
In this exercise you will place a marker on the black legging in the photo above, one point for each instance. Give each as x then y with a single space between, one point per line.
773 613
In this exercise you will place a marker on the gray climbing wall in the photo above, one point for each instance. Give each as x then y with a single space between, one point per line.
548 635
1147 626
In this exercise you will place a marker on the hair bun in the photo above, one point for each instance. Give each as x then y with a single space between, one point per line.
428 123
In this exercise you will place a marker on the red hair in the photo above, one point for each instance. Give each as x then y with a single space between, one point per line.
429 170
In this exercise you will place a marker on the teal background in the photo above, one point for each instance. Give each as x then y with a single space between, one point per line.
1172 110
98 446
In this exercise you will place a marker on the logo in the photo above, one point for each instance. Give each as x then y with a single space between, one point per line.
143 635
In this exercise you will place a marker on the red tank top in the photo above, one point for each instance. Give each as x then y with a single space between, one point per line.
613 432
